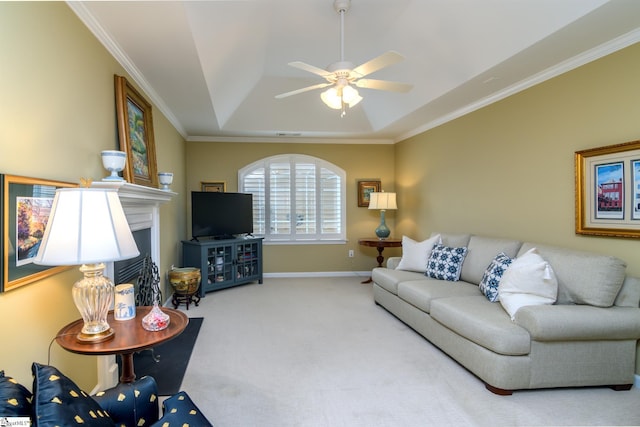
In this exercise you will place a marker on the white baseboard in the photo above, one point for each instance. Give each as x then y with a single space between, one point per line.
363 274
636 381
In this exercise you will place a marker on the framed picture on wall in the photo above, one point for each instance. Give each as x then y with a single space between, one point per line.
25 204
608 190
135 131
214 187
365 188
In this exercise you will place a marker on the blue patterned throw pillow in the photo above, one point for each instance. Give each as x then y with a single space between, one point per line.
15 399
492 275
445 263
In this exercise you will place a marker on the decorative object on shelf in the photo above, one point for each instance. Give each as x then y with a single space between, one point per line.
365 188
607 197
149 286
114 162
214 187
25 205
185 283
135 131
124 307
165 178
87 226
383 201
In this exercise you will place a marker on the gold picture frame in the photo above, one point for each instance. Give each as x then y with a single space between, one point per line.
365 188
607 198
135 131
214 187
25 207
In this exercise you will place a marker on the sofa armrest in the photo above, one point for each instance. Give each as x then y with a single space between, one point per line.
392 262
579 322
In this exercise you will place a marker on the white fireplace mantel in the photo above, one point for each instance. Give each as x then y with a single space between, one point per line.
141 206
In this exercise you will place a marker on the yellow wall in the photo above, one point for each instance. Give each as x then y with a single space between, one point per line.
508 169
57 112
219 161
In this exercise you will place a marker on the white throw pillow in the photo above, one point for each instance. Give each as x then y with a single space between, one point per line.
416 254
529 280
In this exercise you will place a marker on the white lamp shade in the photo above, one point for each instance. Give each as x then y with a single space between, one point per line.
382 200
86 226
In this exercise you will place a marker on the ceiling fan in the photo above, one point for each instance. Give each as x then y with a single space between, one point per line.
342 75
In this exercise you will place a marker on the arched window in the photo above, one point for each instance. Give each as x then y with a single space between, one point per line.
296 198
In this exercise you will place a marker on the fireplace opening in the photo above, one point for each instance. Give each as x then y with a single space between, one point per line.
128 270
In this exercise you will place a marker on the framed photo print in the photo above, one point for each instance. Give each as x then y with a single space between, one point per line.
25 207
135 131
608 190
214 187
365 188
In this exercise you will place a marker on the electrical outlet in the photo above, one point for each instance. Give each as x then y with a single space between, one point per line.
350 253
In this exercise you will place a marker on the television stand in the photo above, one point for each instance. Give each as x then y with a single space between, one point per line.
224 263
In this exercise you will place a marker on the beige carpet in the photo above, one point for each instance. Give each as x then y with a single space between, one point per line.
318 352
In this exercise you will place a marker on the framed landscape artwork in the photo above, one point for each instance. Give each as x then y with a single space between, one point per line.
214 187
608 190
135 131
365 188
25 204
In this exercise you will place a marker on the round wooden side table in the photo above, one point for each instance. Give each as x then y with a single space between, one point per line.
379 244
129 337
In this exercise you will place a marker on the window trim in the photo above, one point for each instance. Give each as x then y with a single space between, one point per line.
292 160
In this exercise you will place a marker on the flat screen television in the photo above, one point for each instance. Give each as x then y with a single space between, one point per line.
221 215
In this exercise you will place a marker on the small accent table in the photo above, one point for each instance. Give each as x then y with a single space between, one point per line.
129 338
379 245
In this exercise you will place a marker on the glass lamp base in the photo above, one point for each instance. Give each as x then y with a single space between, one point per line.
95 338
93 296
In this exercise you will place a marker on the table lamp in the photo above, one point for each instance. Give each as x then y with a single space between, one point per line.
382 201
87 226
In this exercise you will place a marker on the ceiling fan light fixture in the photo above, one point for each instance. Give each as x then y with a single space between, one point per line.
350 96
331 98
338 97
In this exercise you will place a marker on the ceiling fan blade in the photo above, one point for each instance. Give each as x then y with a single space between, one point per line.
384 60
311 68
383 85
304 89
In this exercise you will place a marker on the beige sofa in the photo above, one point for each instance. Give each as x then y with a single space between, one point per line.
588 337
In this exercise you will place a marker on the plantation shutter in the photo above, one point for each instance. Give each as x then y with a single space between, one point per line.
295 198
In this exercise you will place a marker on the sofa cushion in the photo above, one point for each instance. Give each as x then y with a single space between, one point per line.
529 280
416 254
484 323
58 401
445 262
15 399
492 276
450 239
180 411
481 251
388 279
420 293
583 277
131 404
